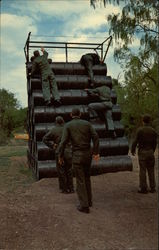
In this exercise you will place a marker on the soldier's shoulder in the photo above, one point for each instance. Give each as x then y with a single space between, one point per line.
86 123
67 124
52 129
37 59
140 130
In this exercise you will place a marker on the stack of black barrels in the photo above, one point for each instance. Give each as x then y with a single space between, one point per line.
72 80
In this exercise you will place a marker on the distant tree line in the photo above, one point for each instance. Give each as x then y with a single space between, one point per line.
13 118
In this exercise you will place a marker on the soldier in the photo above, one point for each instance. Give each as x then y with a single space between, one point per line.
80 133
102 107
88 60
52 139
32 58
48 79
146 140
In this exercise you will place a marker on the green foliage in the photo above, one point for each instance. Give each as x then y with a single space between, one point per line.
138 92
138 18
11 115
14 168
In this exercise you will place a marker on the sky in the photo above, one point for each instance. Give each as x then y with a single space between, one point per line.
49 20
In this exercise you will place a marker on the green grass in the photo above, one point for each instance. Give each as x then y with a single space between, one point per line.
14 171
10 151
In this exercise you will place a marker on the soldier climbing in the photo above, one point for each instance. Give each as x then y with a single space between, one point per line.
102 108
49 85
88 60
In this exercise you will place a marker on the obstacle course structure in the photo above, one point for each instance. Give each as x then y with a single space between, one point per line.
71 79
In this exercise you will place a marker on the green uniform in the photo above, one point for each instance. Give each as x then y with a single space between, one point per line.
88 60
103 106
48 79
52 139
80 133
146 140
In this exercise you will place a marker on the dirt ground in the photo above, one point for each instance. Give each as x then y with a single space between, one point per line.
35 216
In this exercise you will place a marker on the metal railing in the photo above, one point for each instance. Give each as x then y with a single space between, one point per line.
97 47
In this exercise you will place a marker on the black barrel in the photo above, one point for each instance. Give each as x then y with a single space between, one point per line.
68 97
41 129
108 147
72 82
73 69
110 164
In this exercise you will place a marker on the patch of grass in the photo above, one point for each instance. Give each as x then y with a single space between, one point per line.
9 151
4 162
13 167
25 171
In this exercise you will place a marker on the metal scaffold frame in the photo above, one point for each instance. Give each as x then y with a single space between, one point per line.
97 47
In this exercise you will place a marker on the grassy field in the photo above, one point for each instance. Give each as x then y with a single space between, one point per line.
14 171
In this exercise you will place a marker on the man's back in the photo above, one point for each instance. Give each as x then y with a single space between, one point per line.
146 139
81 132
42 63
90 56
53 136
103 93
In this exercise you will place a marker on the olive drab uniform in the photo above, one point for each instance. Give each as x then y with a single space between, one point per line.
80 133
146 140
48 79
88 60
103 105
52 139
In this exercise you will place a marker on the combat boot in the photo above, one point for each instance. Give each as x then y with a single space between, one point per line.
83 209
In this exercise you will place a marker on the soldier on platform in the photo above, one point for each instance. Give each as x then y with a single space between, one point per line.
102 107
49 85
146 140
52 140
88 60
80 133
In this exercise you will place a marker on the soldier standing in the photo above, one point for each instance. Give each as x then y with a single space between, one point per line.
146 140
102 107
88 60
80 133
52 140
48 79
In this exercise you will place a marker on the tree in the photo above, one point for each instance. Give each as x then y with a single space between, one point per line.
138 18
138 91
11 115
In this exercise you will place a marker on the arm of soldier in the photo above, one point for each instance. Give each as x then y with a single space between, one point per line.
48 140
62 145
92 92
34 68
45 53
134 144
155 142
95 140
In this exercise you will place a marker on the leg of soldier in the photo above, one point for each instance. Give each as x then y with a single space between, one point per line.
69 177
142 175
87 168
108 115
68 171
46 88
151 173
54 88
80 180
96 110
61 176
109 120
89 66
